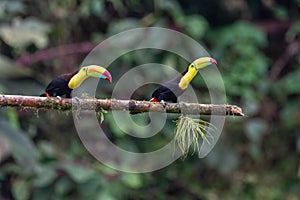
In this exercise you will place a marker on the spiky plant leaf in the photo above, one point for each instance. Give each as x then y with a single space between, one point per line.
187 133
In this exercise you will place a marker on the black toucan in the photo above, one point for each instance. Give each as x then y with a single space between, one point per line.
170 90
65 83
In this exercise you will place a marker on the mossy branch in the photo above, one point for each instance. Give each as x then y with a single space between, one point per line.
54 103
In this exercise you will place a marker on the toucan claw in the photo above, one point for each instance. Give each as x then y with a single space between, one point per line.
59 98
163 103
77 108
77 99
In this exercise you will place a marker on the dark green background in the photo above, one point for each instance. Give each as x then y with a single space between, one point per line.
256 44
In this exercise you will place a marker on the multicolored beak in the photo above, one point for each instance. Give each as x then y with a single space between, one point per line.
213 61
98 72
106 75
203 62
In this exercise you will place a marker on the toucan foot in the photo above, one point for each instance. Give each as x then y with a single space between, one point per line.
77 99
59 98
163 103
77 108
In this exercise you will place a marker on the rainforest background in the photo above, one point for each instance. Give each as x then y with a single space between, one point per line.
256 44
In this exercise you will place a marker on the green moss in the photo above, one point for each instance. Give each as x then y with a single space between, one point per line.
100 115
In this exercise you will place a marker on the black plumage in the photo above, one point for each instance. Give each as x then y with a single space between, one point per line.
59 86
169 91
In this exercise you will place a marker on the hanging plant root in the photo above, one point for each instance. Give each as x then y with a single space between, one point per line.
187 133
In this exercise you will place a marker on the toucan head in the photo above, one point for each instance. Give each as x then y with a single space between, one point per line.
201 63
193 69
89 71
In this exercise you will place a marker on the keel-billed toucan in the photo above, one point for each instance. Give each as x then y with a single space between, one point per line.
170 90
65 83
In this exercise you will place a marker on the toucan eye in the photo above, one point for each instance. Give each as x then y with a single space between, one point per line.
85 70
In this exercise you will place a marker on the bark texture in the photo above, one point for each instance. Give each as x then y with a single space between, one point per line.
116 104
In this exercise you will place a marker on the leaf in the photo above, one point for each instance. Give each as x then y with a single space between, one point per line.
132 180
20 190
91 7
22 148
23 32
240 31
290 114
293 31
11 7
45 176
5 147
8 69
79 174
173 8
13 117
63 186
105 195
42 193
281 12
196 25
47 148
88 189
123 25
291 82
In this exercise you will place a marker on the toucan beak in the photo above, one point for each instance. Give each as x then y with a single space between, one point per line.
107 76
99 72
213 61
204 62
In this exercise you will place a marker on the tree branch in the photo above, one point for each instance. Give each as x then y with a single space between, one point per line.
115 104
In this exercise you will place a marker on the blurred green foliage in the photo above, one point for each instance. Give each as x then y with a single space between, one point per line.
257 157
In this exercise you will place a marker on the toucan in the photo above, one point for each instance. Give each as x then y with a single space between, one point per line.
65 83
169 91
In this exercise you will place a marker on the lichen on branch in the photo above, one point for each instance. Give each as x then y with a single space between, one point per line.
53 103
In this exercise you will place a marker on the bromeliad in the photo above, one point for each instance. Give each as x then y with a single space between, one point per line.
65 83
